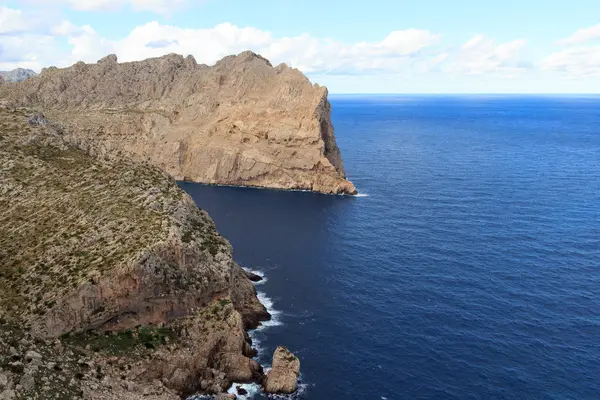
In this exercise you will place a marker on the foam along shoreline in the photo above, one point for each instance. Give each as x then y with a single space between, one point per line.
252 389
263 277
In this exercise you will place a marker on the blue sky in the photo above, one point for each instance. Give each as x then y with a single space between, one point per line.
380 46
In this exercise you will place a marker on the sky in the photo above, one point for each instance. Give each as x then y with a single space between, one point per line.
351 46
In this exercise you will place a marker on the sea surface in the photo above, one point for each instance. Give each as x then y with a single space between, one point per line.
469 267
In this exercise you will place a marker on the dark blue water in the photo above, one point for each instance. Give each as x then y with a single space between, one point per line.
471 270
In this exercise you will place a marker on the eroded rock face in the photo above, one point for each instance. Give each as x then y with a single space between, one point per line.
283 376
113 258
240 122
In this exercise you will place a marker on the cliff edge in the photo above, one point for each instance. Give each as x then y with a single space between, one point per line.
240 122
113 283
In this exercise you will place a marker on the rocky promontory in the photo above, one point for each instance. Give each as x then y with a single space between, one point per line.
240 122
283 376
113 283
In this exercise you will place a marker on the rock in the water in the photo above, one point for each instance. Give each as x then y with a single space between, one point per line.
241 391
253 277
283 377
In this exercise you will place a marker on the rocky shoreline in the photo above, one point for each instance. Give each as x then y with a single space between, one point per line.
114 284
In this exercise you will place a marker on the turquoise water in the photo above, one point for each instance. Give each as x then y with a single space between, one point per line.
471 268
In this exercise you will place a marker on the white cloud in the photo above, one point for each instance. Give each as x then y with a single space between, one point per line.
579 58
582 61
13 21
582 35
66 28
309 54
406 54
156 6
24 40
481 55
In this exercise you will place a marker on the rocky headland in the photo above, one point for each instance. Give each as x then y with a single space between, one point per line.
113 283
240 122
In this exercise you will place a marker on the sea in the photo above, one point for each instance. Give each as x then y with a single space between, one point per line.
467 268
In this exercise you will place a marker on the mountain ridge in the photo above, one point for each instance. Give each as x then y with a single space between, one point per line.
17 75
240 122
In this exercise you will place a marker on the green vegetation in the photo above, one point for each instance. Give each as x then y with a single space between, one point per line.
67 218
124 342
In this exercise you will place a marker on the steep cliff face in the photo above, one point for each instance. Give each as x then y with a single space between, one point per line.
104 244
240 122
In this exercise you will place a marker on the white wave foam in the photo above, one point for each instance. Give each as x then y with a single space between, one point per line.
259 273
361 195
275 314
251 388
298 394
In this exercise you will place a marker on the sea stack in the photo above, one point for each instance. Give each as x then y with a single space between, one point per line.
283 376
240 122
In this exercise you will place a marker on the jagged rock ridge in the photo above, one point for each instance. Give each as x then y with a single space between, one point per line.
17 75
239 122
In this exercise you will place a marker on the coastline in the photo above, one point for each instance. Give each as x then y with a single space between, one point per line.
357 194
135 291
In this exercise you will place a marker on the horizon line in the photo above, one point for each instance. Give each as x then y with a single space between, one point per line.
466 94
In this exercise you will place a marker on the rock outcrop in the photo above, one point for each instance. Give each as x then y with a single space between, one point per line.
283 376
240 122
113 258
17 75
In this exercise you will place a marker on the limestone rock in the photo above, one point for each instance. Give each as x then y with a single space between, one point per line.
33 358
37 119
225 396
3 380
283 376
240 122
27 382
120 250
16 75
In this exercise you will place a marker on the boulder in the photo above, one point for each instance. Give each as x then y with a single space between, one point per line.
252 276
3 381
37 119
283 377
7 395
241 391
34 358
27 382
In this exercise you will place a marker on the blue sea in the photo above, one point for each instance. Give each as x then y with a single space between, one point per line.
469 267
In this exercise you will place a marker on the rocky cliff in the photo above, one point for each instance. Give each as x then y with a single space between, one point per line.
17 75
240 122
113 258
